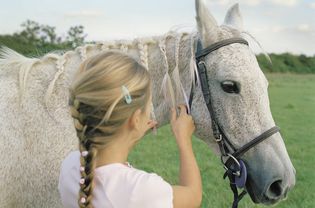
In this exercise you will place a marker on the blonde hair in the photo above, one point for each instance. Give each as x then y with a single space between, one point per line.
99 108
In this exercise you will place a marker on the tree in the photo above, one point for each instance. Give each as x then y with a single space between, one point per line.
48 34
76 35
30 32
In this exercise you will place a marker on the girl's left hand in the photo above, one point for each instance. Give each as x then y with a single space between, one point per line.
151 124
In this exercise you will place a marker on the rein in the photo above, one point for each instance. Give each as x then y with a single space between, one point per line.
233 164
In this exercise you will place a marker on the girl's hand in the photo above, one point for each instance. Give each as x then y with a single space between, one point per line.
182 126
151 124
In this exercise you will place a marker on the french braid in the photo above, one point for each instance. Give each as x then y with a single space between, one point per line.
88 153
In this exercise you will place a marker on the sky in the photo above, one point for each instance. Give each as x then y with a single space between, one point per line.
279 25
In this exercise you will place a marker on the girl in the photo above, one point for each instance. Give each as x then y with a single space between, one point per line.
110 99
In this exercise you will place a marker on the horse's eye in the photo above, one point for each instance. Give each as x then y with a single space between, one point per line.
230 87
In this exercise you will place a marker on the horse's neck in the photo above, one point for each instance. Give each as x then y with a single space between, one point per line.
180 54
171 54
161 55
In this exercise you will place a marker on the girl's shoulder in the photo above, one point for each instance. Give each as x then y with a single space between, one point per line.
71 157
70 162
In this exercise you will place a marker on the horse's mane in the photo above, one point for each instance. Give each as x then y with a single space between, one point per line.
11 59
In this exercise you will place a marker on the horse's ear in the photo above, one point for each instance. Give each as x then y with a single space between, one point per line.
234 18
207 25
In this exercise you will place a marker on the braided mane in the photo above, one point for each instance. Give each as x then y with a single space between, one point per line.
171 93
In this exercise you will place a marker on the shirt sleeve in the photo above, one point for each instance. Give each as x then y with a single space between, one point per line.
152 191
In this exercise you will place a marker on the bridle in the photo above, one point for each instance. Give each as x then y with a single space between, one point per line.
233 164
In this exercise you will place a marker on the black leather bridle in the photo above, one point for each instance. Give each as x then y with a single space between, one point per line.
234 166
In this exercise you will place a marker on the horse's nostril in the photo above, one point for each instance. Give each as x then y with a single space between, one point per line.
275 190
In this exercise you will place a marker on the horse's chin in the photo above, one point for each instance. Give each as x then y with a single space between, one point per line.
251 193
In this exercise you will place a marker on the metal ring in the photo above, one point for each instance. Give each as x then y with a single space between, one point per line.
237 173
201 62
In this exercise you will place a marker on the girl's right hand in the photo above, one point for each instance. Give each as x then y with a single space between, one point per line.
183 126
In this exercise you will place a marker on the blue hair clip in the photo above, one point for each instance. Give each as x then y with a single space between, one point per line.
126 94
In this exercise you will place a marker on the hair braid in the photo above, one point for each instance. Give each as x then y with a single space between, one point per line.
88 154
143 52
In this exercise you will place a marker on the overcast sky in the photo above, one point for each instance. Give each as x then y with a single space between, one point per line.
279 25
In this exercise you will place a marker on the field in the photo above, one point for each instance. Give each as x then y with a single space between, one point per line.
292 100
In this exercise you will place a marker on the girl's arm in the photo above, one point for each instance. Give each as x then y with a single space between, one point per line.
188 194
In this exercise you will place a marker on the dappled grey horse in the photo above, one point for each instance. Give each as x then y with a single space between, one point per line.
37 130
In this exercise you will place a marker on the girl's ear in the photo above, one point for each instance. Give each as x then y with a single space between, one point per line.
134 120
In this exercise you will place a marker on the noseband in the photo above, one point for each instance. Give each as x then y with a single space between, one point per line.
230 156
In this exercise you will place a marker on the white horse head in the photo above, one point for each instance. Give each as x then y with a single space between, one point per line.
240 101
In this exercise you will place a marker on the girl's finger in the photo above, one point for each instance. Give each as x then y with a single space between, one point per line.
152 123
183 109
173 114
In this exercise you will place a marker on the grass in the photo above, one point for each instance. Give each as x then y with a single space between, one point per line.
292 100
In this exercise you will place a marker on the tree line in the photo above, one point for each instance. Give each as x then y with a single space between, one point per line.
287 62
36 39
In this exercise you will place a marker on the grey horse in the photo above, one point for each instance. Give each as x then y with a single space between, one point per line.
37 130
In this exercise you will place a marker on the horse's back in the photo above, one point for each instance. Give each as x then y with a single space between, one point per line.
34 132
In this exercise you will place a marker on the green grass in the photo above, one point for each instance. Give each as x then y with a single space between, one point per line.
292 100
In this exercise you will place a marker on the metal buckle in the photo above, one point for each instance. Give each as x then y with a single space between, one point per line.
220 138
237 173
201 62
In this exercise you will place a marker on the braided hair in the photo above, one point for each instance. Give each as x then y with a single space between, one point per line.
99 109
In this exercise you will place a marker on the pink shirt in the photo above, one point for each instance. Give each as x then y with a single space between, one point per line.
116 186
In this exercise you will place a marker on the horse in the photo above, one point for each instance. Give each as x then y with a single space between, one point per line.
37 130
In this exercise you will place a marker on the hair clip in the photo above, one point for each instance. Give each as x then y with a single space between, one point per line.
84 153
82 181
82 200
126 94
